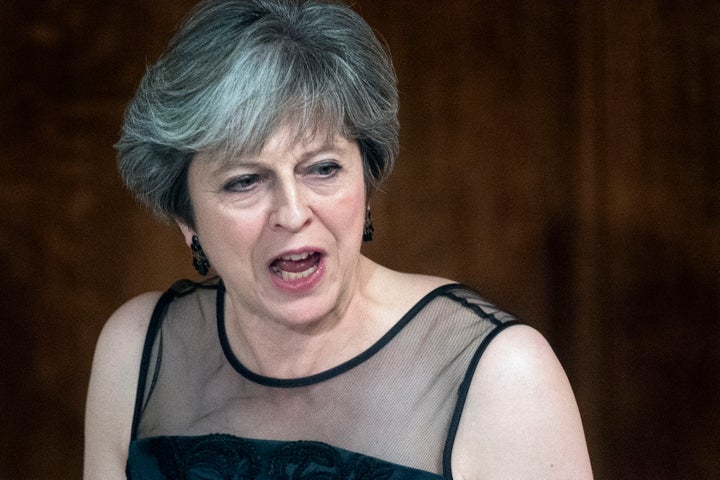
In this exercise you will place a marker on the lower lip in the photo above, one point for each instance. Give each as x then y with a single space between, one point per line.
300 285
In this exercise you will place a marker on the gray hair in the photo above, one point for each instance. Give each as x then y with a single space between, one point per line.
235 71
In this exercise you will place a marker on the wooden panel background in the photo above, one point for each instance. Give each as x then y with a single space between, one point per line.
561 157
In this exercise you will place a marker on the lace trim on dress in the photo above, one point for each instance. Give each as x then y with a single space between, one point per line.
223 456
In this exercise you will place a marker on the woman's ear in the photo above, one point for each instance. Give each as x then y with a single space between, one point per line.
187 232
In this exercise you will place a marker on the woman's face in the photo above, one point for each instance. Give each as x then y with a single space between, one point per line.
284 228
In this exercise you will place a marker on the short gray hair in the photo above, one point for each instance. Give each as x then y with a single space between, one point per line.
235 71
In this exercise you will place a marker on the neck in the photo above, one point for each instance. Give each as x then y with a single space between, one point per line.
279 350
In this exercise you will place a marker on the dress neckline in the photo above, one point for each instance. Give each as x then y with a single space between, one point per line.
327 374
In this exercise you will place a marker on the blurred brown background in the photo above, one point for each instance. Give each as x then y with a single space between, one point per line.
561 157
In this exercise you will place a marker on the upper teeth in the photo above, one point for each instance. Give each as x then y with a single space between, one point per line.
296 256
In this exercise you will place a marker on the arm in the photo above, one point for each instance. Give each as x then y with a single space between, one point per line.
111 393
521 420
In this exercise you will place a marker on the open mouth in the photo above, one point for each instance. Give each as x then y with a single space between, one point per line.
296 266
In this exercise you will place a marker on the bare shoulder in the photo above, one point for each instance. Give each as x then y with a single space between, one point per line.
521 419
113 382
129 321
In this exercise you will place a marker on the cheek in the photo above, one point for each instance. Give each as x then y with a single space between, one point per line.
348 213
229 232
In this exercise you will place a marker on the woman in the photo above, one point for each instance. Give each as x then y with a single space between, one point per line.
262 132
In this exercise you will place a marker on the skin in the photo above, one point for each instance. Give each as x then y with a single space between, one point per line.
294 197
520 421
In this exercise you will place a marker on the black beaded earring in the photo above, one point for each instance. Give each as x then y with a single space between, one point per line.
200 260
368 229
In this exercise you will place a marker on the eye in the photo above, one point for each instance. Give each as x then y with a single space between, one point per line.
243 183
325 169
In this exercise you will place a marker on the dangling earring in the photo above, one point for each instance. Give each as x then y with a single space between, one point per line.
200 260
368 229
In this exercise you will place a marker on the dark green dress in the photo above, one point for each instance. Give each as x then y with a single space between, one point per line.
392 412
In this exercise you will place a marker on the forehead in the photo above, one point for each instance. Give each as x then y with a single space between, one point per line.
291 138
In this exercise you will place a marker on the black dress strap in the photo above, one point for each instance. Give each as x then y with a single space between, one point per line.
180 288
463 391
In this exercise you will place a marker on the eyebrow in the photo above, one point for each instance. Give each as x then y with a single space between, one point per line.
225 165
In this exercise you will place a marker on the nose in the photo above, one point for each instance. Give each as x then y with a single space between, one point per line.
291 211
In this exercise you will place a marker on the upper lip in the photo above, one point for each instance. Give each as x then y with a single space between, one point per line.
295 252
